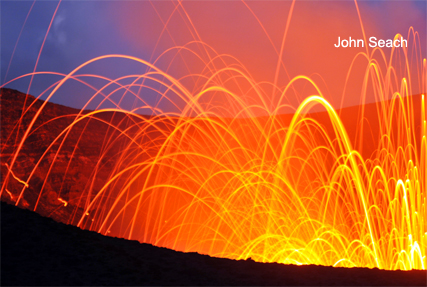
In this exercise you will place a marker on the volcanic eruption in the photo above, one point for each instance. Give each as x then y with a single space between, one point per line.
197 154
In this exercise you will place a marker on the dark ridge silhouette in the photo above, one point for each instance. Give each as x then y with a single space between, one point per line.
36 250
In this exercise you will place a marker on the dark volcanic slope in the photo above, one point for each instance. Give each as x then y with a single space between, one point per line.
59 172
39 251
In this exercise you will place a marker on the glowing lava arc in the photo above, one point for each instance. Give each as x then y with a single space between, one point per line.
230 177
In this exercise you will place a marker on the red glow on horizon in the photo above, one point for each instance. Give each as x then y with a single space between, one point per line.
309 46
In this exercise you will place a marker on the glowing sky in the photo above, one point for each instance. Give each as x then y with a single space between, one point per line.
250 31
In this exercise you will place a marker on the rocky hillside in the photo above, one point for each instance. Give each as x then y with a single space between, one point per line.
62 157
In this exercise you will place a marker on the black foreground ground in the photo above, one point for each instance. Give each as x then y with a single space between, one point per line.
39 251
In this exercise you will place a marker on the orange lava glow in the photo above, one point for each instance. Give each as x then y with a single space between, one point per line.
238 170
62 201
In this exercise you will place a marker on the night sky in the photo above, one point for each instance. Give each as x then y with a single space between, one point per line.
82 30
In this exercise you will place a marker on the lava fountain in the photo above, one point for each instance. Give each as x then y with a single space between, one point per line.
235 170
